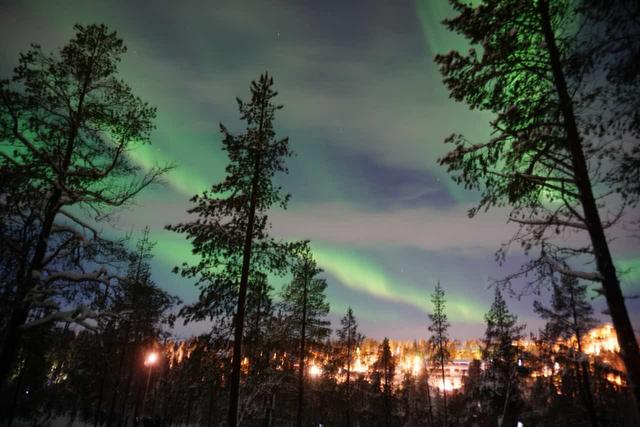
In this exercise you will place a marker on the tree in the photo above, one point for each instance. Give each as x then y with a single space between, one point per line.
569 318
230 233
543 160
385 369
472 392
349 340
260 311
439 339
305 307
500 356
146 310
66 125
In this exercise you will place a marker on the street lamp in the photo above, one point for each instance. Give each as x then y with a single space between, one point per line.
149 361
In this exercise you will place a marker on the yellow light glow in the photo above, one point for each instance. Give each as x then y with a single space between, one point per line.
315 370
151 359
417 365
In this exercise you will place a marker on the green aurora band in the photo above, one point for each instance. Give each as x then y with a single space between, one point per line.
358 273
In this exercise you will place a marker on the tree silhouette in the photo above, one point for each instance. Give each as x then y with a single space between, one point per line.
569 318
543 159
385 367
67 124
304 305
500 356
349 340
439 339
230 235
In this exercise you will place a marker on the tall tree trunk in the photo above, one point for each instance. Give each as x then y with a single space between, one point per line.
16 393
127 389
629 351
583 366
302 354
211 403
582 377
444 390
234 393
348 423
387 393
26 282
116 387
97 416
13 338
429 406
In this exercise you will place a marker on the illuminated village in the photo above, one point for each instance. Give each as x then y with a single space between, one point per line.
412 358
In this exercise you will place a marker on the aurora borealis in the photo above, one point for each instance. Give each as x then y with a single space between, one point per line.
366 113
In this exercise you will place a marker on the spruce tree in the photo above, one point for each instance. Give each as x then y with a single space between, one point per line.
385 369
305 308
259 317
230 231
147 310
349 340
569 318
500 357
439 339
545 158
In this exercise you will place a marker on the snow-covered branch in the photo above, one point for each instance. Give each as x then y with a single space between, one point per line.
78 315
80 222
71 276
557 267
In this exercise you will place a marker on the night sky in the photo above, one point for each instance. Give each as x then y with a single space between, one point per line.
366 113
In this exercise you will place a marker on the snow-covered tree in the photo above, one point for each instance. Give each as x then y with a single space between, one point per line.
67 124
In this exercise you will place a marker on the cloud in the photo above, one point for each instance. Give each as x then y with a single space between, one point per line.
425 228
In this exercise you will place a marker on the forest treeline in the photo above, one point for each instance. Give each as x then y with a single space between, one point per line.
84 327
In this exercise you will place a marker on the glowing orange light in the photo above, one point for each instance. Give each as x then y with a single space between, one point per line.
417 365
616 379
151 359
315 370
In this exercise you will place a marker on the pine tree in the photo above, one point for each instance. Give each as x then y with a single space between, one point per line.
385 368
569 318
500 356
349 340
305 307
472 389
66 125
230 234
260 312
424 388
545 156
147 310
439 339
